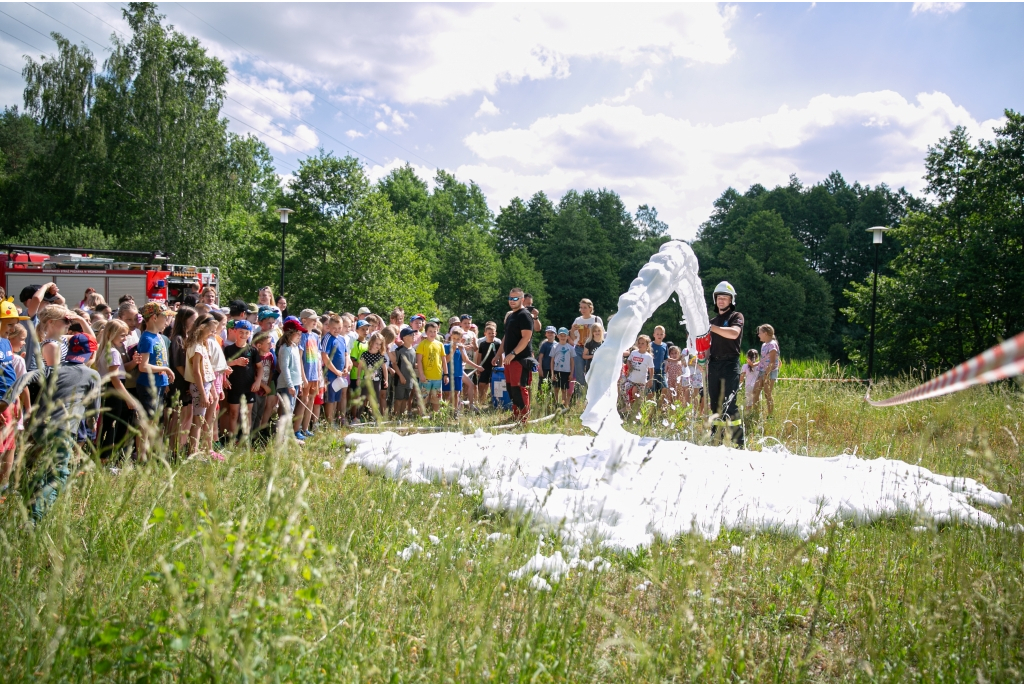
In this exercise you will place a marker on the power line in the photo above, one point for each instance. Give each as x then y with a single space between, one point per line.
116 30
341 111
11 68
26 25
66 26
22 41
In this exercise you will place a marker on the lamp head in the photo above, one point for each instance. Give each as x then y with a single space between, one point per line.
876 234
284 214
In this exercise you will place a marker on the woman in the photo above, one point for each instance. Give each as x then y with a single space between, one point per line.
180 396
581 334
282 304
266 296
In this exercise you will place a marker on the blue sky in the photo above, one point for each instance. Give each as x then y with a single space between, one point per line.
668 104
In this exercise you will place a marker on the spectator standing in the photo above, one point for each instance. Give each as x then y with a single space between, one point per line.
518 358
723 379
405 372
768 367
544 352
563 358
582 331
430 366
487 354
596 340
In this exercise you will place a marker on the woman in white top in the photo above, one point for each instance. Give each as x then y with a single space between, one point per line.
582 330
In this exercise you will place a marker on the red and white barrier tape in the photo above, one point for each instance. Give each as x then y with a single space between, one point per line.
1000 362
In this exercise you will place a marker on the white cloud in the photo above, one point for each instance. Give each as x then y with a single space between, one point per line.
416 53
937 7
639 87
352 133
268 110
681 167
487 108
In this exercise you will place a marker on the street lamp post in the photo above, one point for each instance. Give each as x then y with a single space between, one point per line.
876 239
284 224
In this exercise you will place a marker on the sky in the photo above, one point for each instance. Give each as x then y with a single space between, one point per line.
667 104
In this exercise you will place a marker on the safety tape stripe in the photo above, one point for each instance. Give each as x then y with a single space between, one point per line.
995 364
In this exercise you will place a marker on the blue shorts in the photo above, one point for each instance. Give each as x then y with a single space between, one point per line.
446 387
331 395
659 382
430 386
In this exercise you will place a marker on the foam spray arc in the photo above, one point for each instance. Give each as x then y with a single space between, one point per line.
621 491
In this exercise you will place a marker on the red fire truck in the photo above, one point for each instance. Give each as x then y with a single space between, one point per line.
112 273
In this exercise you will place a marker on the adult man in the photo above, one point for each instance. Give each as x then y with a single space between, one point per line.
723 379
517 358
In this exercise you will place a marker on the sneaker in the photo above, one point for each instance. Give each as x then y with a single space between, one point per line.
300 437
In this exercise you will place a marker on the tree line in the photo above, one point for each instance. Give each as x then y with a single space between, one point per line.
135 153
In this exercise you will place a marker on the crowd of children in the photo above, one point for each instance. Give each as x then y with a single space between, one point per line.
108 381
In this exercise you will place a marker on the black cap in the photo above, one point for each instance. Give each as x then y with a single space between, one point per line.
237 308
29 291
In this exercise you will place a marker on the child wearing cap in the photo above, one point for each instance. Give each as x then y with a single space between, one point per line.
246 365
544 352
334 352
355 389
430 366
72 397
563 360
309 346
9 319
289 363
405 372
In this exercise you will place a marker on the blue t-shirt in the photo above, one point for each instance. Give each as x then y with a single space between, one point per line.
336 349
153 345
456 361
309 349
545 351
7 375
660 352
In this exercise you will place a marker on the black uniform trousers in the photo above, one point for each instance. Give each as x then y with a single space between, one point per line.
722 386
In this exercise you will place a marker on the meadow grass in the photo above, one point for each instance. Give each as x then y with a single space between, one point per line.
284 565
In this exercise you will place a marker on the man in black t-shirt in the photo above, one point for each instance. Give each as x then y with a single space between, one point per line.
518 355
723 378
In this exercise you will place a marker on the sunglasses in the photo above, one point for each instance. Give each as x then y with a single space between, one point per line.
513 299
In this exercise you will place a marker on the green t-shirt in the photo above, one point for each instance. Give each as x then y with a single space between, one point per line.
358 347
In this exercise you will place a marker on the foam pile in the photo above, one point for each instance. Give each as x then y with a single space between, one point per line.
621 491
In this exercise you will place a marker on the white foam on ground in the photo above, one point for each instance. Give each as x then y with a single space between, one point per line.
622 492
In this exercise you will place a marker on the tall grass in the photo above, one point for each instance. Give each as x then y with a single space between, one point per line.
273 566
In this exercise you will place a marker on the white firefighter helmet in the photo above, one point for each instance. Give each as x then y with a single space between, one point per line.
725 288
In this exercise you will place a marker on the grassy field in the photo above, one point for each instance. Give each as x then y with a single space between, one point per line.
284 565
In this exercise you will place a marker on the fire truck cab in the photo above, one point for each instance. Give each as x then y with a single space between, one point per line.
145 276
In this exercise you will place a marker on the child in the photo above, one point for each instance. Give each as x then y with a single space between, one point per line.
289 364
641 370
215 343
659 351
544 353
309 347
155 374
199 372
563 361
696 384
405 370
72 397
14 335
337 363
677 377
265 402
768 368
118 406
470 367
54 322
357 347
389 349
430 366
596 340
246 365
748 378
487 354
372 374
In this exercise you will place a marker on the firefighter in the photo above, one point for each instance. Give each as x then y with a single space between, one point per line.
723 377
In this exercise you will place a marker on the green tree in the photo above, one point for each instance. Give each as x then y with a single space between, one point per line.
521 226
955 288
346 247
159 99
518 270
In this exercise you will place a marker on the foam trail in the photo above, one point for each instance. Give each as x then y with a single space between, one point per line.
622 491
673 268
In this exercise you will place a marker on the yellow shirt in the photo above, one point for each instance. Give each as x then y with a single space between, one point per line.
433 358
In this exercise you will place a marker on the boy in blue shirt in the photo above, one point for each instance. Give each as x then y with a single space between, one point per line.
337 363
544 353
659 350
155 374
